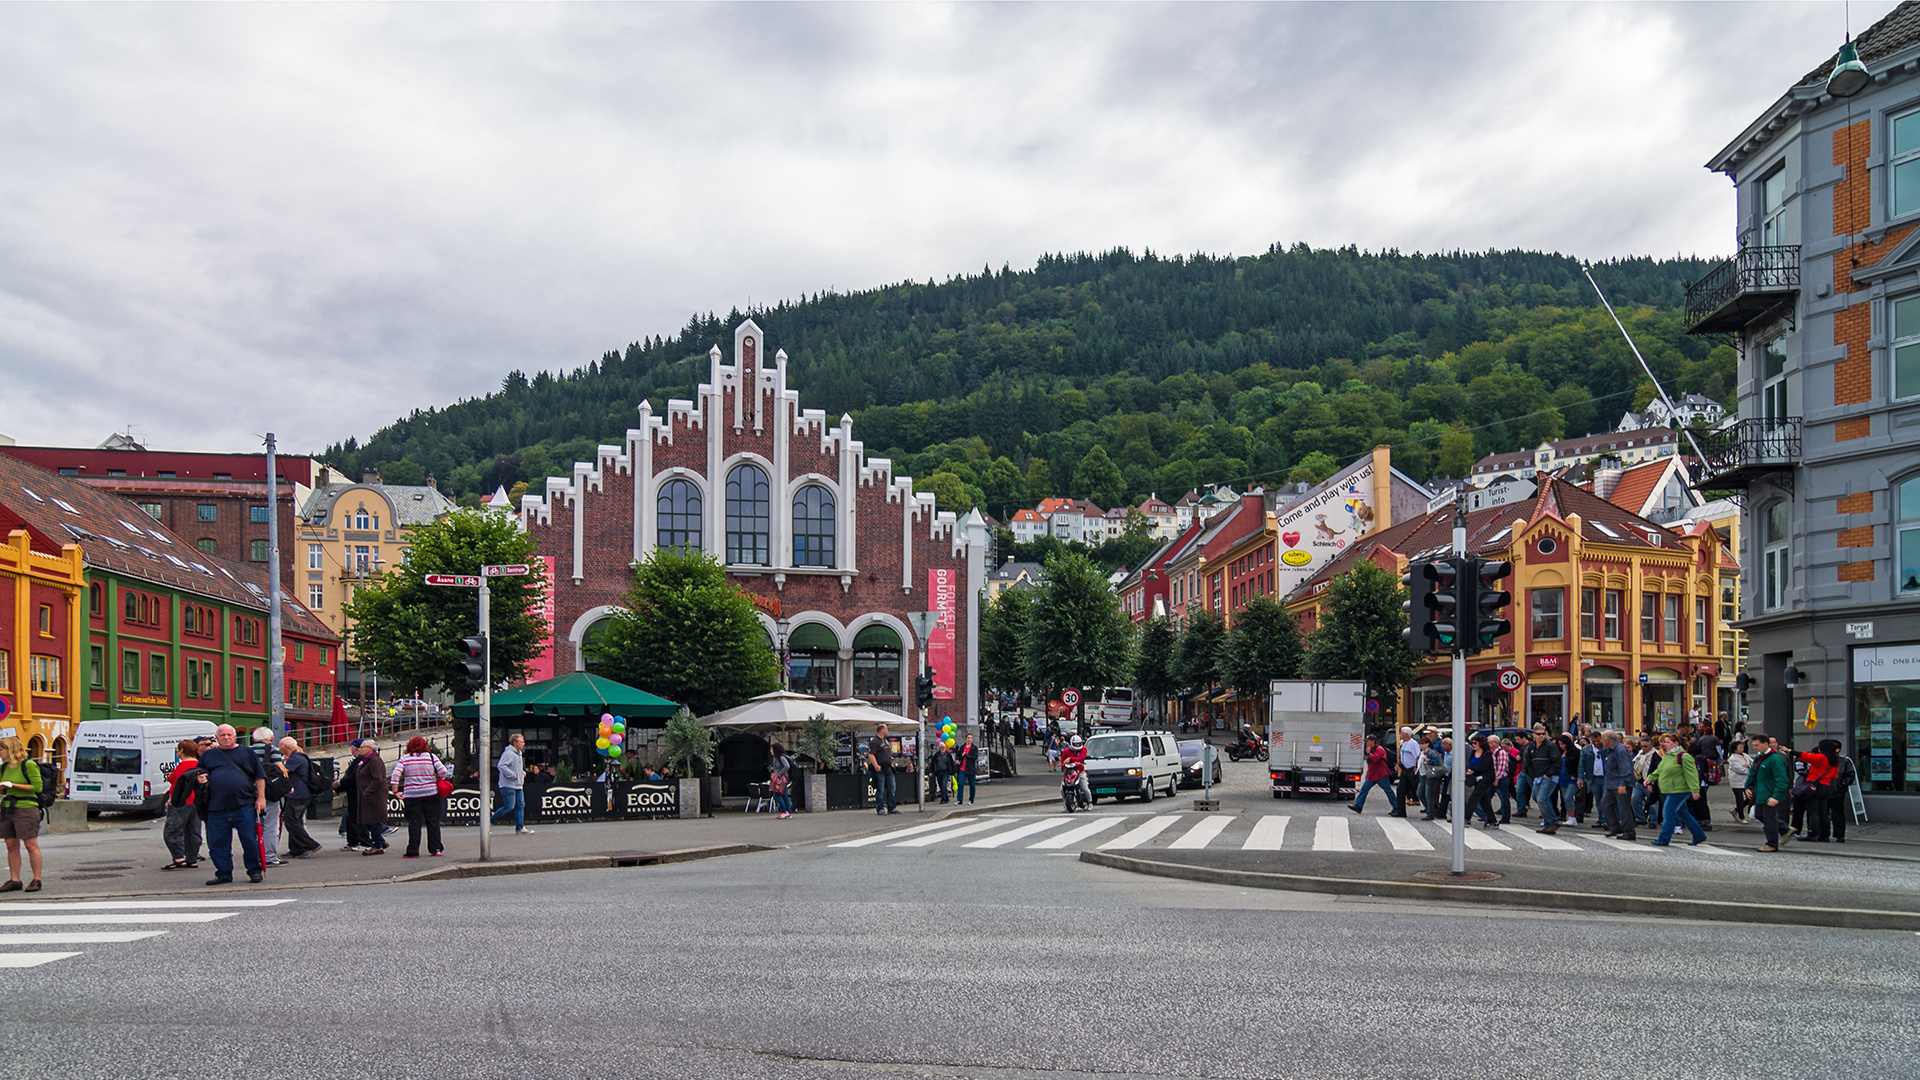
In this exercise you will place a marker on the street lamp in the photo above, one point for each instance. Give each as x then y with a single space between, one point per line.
1849 75
780 650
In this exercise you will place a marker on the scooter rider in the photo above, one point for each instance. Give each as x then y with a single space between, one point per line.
1073 767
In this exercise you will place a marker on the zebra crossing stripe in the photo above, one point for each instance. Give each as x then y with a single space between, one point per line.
31 959
1074 836
1268 834
140 905
894 835
1202 833
78 937
1140 833
1480 841
105 918
1623 845
930 839
1540 840
1330 834
1021 833
1712 850
1403 835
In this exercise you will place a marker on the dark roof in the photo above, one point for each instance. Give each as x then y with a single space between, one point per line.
1008 571
118 537
1896 30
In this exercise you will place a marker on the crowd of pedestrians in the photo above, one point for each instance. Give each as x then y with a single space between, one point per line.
1624 783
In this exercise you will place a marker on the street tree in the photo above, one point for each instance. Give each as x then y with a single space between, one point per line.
1196 658
1077 637
1263 645
1153 666
1359 632
687 634
410 632
1003 640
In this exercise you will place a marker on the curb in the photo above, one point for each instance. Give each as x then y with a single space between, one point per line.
1712 910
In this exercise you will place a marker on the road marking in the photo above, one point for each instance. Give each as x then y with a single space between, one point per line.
32 959
1268 834
1021 833
1712 850
1403 835
1541 840
1074 836
931 839
1141 833
78 937
1330 834
1202 833
103 918
894 835
109 905
1623 845
1482 842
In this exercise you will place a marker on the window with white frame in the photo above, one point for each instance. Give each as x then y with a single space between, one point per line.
1906 347
1546 614
813 531
315 595
1700 638
316 557
1775 571
749 504
1903 142
1773 208
1773 380
1908 538
677 512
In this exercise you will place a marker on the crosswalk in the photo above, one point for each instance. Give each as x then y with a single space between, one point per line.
1183 831
26 927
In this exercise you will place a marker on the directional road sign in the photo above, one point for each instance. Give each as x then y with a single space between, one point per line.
465 581
509 570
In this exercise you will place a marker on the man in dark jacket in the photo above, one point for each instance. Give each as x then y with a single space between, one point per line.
293 809
1543 773
1770 780
234 790
940 767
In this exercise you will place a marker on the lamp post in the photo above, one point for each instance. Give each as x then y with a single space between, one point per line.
780 650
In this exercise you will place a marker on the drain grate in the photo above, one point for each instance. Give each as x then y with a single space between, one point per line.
110 864
88 877
136 828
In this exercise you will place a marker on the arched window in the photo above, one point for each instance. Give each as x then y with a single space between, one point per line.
1909 532
813 527
876 662
679 512
1775 569
748 502
813 661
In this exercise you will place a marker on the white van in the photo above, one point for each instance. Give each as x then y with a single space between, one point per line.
1142 764
123 764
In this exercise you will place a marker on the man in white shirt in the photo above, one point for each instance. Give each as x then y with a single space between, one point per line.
1409 772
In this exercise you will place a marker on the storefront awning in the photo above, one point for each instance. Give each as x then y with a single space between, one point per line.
576 695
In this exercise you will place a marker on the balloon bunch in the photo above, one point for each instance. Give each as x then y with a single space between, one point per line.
613 732
949 732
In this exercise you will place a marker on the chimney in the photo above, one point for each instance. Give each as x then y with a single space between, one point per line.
371 476
432 483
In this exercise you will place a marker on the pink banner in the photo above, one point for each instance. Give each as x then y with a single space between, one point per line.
541 666
942 600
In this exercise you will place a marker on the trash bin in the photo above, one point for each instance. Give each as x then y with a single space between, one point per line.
322 804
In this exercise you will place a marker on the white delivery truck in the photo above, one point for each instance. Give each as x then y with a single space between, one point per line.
123 764
1316 738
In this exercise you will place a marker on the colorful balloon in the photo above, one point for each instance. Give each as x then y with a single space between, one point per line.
602 743
614 751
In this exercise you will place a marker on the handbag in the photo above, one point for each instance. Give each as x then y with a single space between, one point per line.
444 786
777 783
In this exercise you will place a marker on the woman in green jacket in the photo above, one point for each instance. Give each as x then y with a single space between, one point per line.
1679 779
20 780
1770 781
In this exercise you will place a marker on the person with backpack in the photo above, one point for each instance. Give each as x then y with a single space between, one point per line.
182 832
306 781
279 784
21 781
233 795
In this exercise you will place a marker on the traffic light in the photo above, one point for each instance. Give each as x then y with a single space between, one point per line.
1490 603
1418 585
1446 605
476 649
923 689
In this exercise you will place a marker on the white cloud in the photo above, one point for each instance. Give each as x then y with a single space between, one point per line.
231 219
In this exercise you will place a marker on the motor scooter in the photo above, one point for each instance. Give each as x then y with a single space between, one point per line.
1073 788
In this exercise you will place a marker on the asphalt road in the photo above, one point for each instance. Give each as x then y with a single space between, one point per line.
943 962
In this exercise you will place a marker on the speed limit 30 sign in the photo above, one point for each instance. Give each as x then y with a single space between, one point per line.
1510 679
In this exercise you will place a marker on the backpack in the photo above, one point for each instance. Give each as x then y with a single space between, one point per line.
1712 770
316 780
279 781
46 794
183 787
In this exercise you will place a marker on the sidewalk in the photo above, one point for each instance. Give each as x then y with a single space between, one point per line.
123 857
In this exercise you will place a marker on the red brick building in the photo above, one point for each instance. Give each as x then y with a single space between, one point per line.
827 540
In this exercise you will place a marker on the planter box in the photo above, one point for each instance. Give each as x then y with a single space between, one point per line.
814 793
690 797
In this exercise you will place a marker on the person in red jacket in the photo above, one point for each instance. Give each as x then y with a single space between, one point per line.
1379 767
1822 771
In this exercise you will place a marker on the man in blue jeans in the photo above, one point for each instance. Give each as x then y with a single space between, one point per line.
1379 769
880 761
234 789
513 783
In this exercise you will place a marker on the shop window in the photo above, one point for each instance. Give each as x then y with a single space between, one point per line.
208 545
678 512
1649 618
876 662
1887 736
1588 601
1610 616
748 505
257 550
813 527
813 660
206 512
257 515
1547 614
1908 536
45 673
1776 546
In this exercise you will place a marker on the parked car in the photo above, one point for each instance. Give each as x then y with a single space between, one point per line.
1192 770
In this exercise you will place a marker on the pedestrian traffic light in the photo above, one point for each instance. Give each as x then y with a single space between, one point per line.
1490 603
476 650
1419 586
923 689
1446 606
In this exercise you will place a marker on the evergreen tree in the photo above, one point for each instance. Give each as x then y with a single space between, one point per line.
1097 478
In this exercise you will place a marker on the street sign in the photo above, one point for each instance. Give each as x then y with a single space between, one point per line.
464 581
1069 698
1510 679
1373 705
510 570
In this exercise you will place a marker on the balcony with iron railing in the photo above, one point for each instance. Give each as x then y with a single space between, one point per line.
1734 293
1749 450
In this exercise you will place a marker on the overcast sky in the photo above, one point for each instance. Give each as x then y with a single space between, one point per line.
220 220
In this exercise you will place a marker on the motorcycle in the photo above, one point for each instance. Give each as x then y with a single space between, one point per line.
1073 789
1250 747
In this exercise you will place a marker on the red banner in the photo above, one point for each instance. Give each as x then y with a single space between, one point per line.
541 666
943 594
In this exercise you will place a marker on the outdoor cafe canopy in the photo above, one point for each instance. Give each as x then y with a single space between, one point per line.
579 694
784 709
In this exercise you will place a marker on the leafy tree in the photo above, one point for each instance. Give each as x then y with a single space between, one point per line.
1077 636
688 745
686 634
1098 479
1455 458
410 631
1314 469
1359 632
403 473
1153 669
1262 645
1039 479
949 491
1003 639
1005 489
1196 659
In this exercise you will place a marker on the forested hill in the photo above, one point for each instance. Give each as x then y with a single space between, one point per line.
1110 376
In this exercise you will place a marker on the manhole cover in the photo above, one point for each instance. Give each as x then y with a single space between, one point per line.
88 877
1450 876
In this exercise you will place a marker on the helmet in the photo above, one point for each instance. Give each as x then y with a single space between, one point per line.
1076 742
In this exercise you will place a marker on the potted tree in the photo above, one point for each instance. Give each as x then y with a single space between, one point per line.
690 749
816 741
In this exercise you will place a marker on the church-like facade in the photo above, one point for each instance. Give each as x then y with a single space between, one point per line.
830 544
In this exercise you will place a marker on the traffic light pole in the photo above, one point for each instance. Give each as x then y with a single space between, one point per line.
1459 777
482 727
